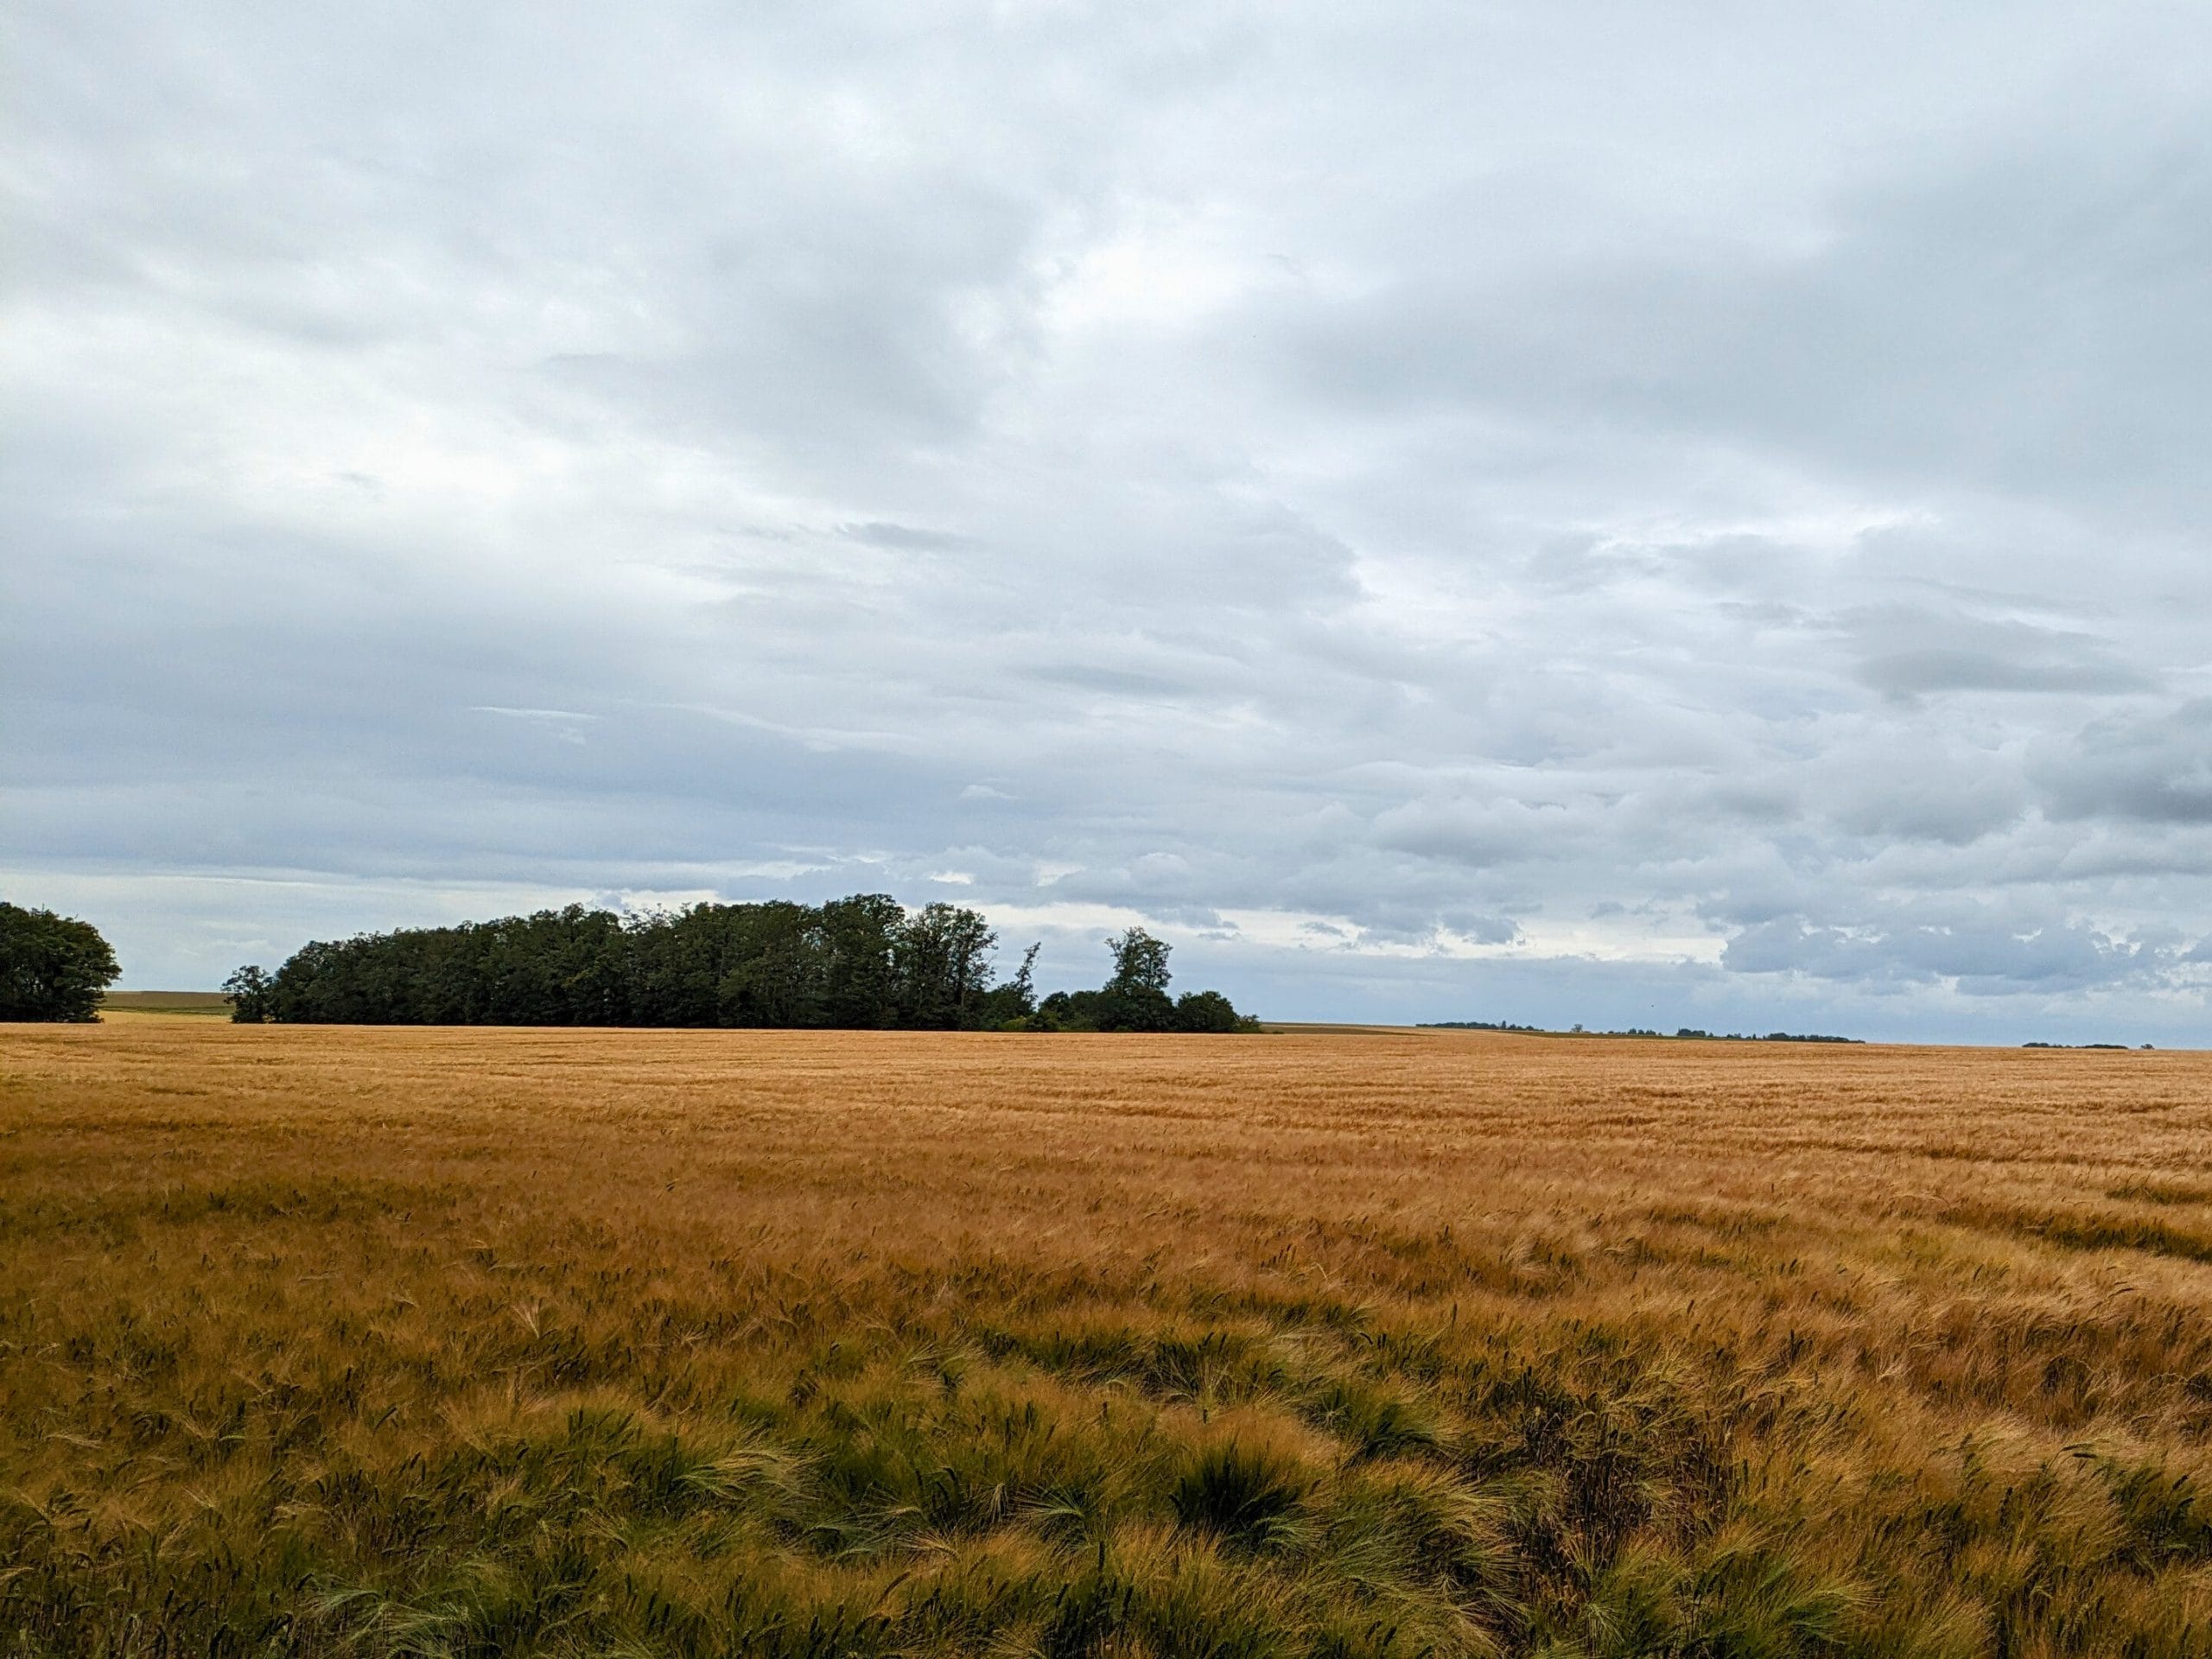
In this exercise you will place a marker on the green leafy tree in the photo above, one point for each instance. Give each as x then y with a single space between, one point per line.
772 960
251 993
1014 1003
1136 998
1068 1011
52 967
860 989
1208 1011
941 962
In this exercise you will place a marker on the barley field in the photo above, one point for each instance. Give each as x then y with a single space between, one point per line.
419 1342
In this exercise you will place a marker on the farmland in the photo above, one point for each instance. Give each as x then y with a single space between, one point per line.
425 1341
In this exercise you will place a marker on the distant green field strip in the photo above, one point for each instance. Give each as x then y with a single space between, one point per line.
202 1003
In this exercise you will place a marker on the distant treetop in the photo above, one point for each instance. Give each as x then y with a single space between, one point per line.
1691 1032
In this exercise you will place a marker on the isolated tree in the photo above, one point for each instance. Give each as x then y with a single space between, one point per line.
51 966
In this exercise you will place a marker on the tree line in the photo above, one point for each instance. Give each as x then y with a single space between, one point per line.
864 962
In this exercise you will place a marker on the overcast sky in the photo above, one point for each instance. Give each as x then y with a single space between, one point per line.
1643 514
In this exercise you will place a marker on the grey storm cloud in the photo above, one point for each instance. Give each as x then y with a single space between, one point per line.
1535 512
2154 767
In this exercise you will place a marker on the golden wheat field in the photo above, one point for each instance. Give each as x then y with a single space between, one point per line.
497 1341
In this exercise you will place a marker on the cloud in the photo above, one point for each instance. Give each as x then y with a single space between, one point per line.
906 536
1906 652
1978 956
1478 833
1444 511
2151 767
